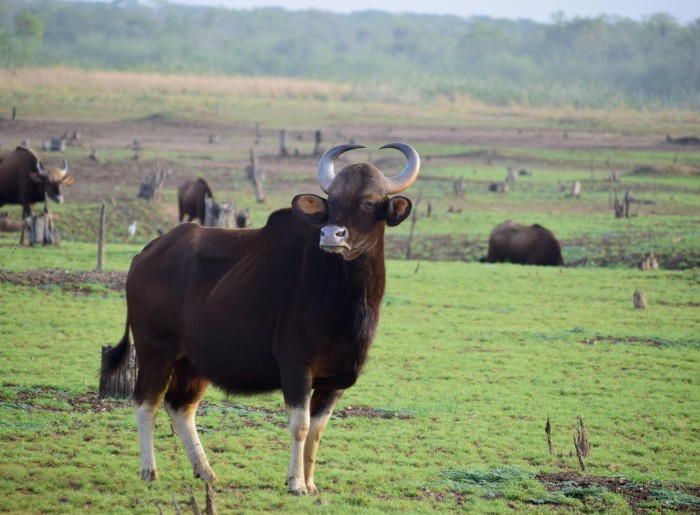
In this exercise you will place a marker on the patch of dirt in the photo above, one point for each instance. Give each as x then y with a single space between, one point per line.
639 497
90 402
636 494
366 412
78 282
86 403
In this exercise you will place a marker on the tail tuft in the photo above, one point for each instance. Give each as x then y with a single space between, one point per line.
115 357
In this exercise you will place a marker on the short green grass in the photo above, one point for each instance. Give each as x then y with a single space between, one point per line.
473 358
469 360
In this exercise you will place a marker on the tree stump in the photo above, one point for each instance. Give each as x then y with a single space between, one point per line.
618 208
152 187
219 215
121 384
649 262
317 143
41 230
576 189
499 187
639 300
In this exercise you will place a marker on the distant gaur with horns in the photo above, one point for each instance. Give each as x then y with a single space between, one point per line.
24 181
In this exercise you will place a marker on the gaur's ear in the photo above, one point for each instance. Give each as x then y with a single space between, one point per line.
35 177
397 210
310 208
68 180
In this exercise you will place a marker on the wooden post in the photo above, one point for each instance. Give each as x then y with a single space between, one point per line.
579 455
548 430
101 239
317 142
460 187
258 134
582 438
414 219
121 384
14 113
628 197
639 300
254 175
283 143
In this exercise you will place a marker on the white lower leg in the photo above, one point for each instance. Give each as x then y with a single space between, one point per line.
298 428
316 429
183 422
145 421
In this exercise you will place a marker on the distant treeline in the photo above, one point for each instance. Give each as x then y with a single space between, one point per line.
581 62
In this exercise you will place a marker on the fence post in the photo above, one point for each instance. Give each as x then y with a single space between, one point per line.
254 176
101 239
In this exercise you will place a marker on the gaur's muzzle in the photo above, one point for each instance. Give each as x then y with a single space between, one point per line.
334 238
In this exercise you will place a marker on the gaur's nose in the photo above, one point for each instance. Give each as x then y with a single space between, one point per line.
333 236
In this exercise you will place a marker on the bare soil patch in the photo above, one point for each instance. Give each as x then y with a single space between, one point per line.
637 495
78 282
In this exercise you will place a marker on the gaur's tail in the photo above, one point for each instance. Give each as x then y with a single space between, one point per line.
116 356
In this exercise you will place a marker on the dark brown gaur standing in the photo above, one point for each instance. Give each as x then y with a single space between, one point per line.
514 242
291 306
191 200
24 181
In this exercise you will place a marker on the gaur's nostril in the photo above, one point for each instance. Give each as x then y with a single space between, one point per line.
341 233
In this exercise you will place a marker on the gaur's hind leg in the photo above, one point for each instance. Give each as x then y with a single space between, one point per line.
322 404
151 383
181 401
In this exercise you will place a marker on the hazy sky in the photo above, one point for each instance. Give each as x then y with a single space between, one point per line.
538 10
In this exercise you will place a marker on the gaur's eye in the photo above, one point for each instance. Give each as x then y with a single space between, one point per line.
368 206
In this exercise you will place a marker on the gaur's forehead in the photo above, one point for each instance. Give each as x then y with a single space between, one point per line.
55 175
357 179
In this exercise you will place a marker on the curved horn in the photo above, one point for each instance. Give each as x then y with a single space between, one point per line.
410 172
63 170
39 169
325 165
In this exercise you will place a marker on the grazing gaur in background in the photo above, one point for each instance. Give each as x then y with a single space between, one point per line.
7 225
24 181
523 244
191 200
293 305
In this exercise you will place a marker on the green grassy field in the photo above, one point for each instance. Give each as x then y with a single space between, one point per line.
469 361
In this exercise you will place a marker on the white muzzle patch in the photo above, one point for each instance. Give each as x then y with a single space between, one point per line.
334 238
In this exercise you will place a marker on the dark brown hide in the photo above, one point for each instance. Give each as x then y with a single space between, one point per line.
262 309
522 244
21 182
190 200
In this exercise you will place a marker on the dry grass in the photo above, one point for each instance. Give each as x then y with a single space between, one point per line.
99 94
115 81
